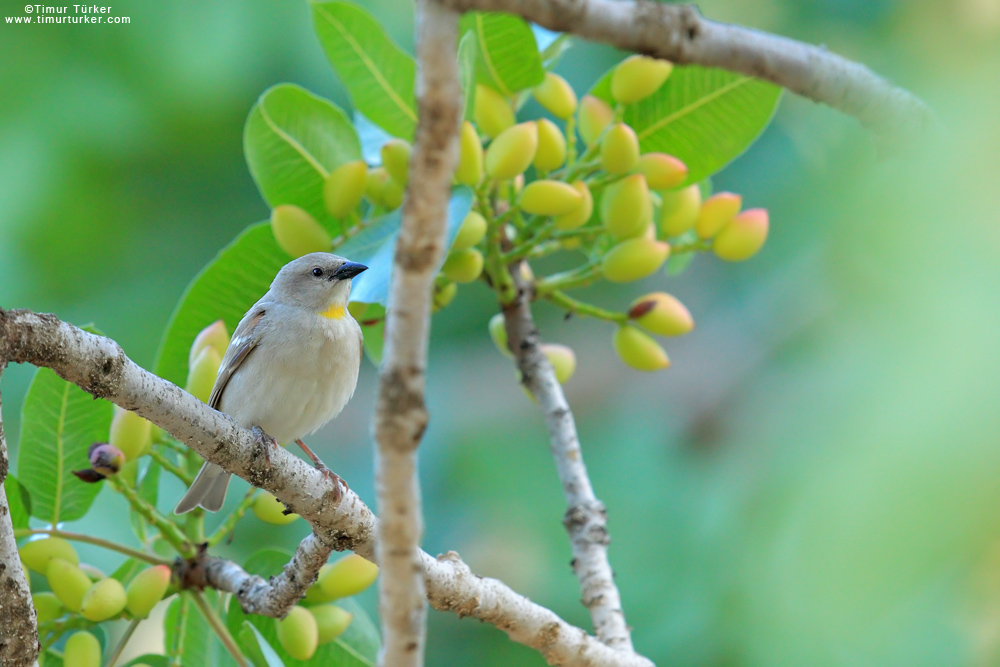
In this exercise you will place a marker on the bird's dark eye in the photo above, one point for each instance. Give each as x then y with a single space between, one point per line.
317 272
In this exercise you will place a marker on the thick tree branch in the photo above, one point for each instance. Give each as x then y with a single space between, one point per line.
98 365
18 629
401 415
680 34
585 518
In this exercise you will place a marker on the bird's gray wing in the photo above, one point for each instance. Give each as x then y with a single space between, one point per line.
244 341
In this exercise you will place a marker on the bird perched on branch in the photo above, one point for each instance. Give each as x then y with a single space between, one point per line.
291 365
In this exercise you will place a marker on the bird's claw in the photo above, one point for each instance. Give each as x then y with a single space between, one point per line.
262 438
336 479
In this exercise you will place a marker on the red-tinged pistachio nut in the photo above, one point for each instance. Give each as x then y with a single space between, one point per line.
743 237
579 215
82 650
634 259
491 111
662 171
37 554
106 459
470 156
443 295
331 621
348 576
562 358
626 208
498 333
556 96
396 159
512 151
661 314
47 606
344 188
471 232
594 115
270 510
298 634
546 197
463 266
147 589
214 335
619 149
551 153
638 77
68 582
130 433
297 232
639 350
679 210
200 380
717 211
103 600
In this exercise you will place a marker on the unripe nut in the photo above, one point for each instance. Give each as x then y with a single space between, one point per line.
512 151
201 377
471 232
214 335
344 188
594 115
297 232
619 149
662 171
348 576
47 606
443 295
82 650
498 333
743 237
331 621
626 208
661 314
491 111
549 198
556 95
130 433
396 159
579 215
37 554
638 77
269 509
717 211
470 156
105 599
639 350
551 153
298 634
147 589
679 210
68 582
563 360
634 259
463 266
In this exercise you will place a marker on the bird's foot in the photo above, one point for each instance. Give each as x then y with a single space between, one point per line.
262 439
329 474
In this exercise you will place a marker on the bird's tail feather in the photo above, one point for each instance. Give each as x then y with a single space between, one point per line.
207 490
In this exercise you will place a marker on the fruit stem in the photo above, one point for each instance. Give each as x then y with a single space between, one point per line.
227 526
576 307
168 529
568 279
693 246
177 650
124 640
523 250
219 627
96 541
53 630
170 466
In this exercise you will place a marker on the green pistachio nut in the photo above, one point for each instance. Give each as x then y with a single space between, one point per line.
393 194
130 433
498 333
348 576
298 634
331 621
471 232
555 95
201 376
661 314
634 259
68 582
626 208
743 237
147 589
549 198
37 554
297 232
463 266
512 151
551 153
470 156
717 211
619 149
579 215
375 183
638 77
47 606
443 296
344 188
82 650
315 594
396 159
270 510
562 358
214 335
638 349
491 111
662 171
679 210
593 116
103 600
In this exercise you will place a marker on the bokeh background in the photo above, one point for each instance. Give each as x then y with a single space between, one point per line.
815 481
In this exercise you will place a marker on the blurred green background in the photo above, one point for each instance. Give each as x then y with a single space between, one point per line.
815 481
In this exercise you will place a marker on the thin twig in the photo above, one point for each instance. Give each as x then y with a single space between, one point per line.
96 541
219 628
123 641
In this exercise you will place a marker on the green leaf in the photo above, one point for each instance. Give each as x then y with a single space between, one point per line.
226 288
257 648
706 117
507 54
379 76
59 423
374 337
467 55
372 138
126 571
18 502
553 52
202 648
150 659
148 487
293 140
375 246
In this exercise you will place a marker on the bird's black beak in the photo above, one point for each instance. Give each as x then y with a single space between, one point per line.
348 270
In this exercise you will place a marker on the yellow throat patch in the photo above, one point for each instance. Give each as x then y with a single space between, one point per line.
333 312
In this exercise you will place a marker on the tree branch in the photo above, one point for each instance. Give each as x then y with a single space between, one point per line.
99 366
585 518
18 630
680 34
